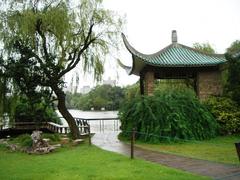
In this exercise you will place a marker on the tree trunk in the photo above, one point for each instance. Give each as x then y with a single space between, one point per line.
74 130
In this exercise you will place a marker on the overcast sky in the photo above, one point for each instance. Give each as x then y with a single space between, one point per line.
149 24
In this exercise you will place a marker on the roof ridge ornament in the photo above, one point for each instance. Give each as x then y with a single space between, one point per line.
174 36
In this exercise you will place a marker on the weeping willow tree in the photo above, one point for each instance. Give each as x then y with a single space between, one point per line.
56 36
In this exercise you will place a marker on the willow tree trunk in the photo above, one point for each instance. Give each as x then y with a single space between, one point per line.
74 130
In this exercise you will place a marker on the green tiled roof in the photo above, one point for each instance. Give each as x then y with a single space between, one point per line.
176 55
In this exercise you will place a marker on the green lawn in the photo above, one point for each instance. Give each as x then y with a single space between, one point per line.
220 149
83 162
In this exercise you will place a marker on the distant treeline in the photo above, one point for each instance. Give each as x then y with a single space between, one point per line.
102 96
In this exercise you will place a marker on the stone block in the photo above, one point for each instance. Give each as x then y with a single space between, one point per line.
77 141
64 140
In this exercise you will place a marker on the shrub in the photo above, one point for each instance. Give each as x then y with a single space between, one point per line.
24 140
173 114
227 113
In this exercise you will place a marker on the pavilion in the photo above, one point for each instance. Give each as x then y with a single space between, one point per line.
178 61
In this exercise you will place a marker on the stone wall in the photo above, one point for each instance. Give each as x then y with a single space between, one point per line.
148 83
209 83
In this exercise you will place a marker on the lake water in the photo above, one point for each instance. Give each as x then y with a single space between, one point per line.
97 126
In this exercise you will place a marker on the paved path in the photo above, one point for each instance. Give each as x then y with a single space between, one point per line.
109 141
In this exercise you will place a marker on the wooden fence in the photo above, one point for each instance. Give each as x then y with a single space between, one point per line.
53 127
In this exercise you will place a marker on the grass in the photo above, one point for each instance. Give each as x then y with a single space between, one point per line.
83 162
220 149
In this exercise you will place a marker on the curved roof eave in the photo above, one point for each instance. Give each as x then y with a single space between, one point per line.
128 69
136 64
129 47
132 50
140 59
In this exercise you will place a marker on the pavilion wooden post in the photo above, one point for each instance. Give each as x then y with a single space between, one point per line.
141 84
149 83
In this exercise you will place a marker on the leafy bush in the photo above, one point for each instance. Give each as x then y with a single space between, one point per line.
24 140
173 114
227 113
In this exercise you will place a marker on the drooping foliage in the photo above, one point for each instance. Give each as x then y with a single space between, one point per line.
167 114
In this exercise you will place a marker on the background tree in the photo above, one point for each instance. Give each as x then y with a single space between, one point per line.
132 91
233 78
102 96
204 47
232 87
55 36
234 48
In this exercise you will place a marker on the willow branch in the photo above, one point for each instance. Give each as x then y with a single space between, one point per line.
77 55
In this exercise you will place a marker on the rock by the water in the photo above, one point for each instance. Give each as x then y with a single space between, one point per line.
77 141
36 136
13 147
40 146
57 146
46 139
64 140
3 141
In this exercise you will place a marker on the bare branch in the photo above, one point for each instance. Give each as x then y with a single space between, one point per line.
76 60
44 45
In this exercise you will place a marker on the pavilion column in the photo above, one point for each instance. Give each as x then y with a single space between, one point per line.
195 84
141 84
149 83
209 84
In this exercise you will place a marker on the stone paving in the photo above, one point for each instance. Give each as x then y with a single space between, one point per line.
109 141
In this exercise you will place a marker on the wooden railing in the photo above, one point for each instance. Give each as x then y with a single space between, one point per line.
84 127
57 128
82 123
101 122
